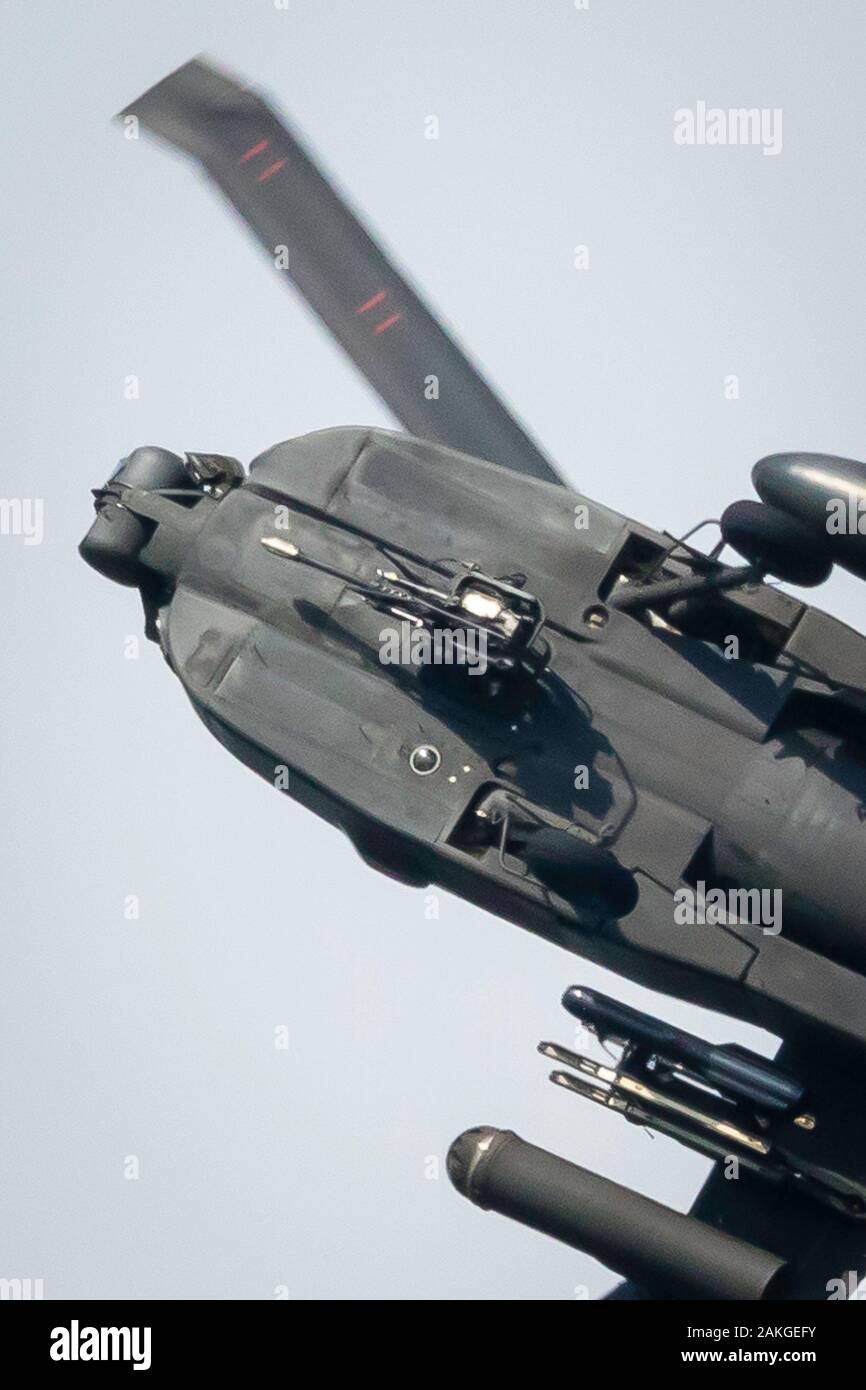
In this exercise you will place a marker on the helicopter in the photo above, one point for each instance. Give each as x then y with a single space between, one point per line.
649 726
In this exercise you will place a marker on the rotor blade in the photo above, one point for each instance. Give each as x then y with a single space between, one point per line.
389 333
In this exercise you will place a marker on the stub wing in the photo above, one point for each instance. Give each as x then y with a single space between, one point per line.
826 1251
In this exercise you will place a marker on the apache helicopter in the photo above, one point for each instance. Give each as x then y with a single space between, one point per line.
607 649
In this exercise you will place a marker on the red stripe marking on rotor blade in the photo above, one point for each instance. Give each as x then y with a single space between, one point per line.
370 303
253 151
386 323
270 171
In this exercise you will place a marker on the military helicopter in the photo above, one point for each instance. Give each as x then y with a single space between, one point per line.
622 722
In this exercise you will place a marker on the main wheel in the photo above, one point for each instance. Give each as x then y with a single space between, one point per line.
586 875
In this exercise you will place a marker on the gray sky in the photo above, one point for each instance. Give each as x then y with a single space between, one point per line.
153 1038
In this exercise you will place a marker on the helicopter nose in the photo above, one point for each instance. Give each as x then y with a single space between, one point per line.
113 544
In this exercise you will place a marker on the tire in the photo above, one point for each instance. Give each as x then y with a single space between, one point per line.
585 875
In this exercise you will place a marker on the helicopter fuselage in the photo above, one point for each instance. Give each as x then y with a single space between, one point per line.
725 766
